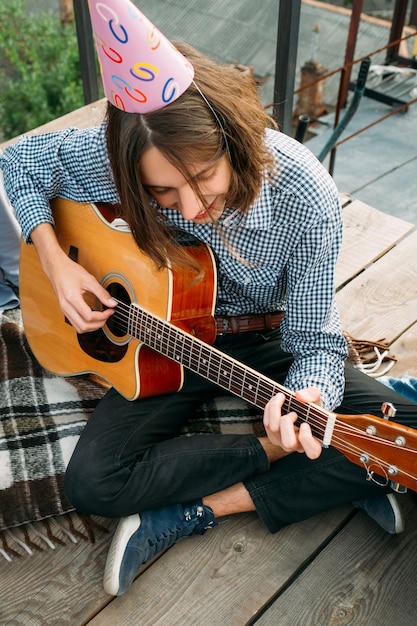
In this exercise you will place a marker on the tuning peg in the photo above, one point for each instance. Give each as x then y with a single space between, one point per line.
397 487
388 410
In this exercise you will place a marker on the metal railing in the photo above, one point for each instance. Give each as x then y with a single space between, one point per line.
359 90
288 27
285 69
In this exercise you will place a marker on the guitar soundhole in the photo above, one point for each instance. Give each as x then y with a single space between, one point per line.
117 323
109 344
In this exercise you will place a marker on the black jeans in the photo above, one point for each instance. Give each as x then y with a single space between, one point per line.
130 457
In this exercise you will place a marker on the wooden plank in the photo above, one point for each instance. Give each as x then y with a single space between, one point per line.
382 301
224 577
61 586
405 350
363 577
345 199
89 115
367 235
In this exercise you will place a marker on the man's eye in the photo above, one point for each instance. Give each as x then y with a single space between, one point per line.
206 176
159 190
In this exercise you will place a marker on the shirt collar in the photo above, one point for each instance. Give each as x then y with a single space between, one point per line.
259 216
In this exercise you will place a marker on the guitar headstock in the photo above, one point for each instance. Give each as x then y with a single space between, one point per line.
386 450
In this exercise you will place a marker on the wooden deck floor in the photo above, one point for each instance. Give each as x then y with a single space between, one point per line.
336 569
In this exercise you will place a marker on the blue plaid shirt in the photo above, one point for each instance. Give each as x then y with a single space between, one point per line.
280 255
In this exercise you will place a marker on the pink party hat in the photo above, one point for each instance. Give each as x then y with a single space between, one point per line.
140 69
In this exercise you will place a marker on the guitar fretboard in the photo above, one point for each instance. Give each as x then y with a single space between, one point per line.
211 363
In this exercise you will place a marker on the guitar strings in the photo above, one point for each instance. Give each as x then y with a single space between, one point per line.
316 417
265 398
221 356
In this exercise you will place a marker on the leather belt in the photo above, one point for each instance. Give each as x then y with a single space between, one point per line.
247 323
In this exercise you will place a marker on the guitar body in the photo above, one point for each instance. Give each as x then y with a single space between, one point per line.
112 256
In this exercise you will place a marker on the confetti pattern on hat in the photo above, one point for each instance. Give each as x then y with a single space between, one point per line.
140 69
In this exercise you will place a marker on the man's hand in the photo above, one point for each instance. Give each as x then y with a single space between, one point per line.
71 283
281 429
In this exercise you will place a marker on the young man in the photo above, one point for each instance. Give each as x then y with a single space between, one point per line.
187 145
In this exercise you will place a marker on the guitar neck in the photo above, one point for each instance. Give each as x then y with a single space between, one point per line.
214 365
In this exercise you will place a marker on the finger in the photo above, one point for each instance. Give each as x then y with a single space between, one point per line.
103 295
90 285
289 433
311 446
83 318
272 412
309 394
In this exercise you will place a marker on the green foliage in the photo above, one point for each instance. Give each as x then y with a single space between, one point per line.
40 76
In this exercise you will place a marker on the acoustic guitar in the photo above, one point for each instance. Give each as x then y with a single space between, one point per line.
164 322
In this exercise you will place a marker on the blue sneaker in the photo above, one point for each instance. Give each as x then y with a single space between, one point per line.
385 511
138 538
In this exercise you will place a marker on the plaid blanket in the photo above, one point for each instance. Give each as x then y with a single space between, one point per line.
41 418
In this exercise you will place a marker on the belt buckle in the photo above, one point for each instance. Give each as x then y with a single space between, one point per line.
223 325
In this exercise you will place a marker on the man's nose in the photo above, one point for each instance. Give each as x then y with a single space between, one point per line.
189 203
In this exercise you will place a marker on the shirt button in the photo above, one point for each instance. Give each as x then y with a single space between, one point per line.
247 281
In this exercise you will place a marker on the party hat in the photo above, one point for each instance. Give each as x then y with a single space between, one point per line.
140 69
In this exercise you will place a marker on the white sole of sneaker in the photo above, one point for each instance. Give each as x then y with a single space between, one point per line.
125 529
399 521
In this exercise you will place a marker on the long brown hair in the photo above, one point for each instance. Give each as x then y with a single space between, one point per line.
186 132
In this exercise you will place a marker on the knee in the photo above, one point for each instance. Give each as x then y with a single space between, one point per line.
77 484
89 486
